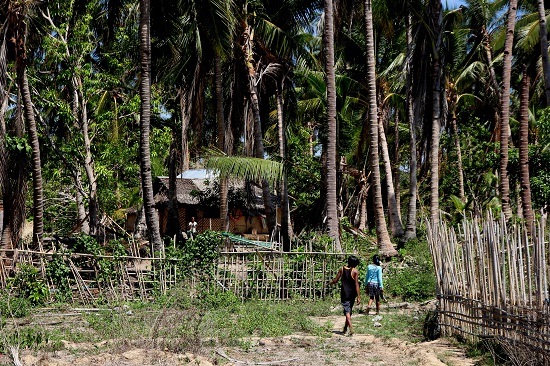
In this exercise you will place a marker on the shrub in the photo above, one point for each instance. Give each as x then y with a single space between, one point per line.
29 284
411 278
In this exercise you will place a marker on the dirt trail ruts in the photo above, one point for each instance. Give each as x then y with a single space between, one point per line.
291 350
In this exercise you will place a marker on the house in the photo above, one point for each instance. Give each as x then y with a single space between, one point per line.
197 193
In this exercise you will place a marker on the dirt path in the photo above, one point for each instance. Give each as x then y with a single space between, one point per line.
295 349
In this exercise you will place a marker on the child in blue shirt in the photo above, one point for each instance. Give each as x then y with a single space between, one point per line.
373 283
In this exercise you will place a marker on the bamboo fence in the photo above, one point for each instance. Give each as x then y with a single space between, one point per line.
492 282
258 274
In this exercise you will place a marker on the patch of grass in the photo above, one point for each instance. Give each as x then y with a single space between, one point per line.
393 325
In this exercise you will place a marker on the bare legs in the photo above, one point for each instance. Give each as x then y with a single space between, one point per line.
371 299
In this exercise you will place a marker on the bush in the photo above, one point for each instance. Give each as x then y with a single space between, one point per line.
411 278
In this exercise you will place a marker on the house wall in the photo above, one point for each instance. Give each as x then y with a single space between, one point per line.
237 225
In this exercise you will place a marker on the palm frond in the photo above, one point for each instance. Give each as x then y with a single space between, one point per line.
247 168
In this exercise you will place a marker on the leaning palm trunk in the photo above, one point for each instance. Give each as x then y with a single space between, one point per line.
524 154
330 184
151 217
382 235
504 186
544 49
38 202
410 230
394 218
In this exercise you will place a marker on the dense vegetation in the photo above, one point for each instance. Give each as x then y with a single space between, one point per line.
414 115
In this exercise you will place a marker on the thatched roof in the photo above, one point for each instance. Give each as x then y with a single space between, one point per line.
184 187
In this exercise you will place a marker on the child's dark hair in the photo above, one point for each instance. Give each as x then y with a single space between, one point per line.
376 259
353 261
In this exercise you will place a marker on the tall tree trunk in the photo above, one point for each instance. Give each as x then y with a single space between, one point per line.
173 226
544 49
436 115
224 186
38 201
82 216
382 235
185 121
330 183
89 166
151 217
396 167
362 203
394 218
257 124
286 224
524 153
504 186
461 193
410 229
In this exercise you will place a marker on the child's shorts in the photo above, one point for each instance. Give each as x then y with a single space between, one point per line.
348 306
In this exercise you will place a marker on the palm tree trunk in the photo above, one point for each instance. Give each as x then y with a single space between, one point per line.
410 229
224 187
151 217
185 120
544 49
504 186
394 218
38 202
524 153
362 199
382 235
173 226
259 148
396 167
436 115
461 193
332 200
286 224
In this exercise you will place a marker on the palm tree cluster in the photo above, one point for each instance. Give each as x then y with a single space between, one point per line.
374 111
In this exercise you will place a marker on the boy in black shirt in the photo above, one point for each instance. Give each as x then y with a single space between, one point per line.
349 289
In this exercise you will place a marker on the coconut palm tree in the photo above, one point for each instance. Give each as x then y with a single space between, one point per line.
527 206
332 203
17 18
504 183
382 234
151 217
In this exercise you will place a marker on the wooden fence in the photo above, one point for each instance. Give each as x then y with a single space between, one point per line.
492 282
248 274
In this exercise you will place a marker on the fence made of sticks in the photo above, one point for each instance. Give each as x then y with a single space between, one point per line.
248 274
492 282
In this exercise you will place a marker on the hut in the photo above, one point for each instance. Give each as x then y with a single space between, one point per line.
197 194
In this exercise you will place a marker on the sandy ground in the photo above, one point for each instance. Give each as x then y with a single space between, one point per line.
295 349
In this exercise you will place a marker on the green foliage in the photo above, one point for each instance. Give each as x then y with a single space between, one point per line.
29 284
197 256
11 306
25 338
411 276
58 273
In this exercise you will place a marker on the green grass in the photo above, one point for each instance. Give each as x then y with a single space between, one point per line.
394 325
